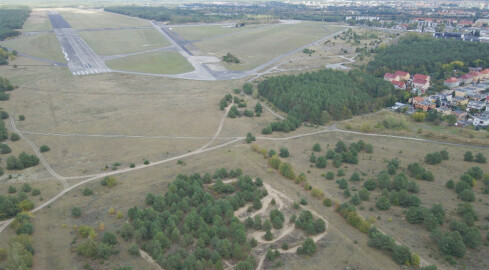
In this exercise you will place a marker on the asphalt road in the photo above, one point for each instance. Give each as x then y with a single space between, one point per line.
82 60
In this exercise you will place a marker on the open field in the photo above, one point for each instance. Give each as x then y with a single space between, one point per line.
38 21
198 32
123 41
96 18
40 45
259 45
426 130
163 62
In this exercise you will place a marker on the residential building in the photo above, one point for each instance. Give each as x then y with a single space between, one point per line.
451 82
399 84
403 75
391 77
416 100
421 84
461 115
476 105
466 79
460 92
425 106
485 73
476 76
482 120
444 110
460 101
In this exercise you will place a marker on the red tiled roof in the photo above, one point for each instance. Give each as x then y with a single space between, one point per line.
418 99
398 83
466 76
485 71
401 73
420 76
390 75
420 81
451 80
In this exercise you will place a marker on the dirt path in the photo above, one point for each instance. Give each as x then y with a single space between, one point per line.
148 258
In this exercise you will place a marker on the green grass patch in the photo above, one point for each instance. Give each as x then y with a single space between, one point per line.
259 45
153 62
40 45
124 41
80 19
207 31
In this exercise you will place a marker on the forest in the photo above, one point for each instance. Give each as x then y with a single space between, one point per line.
429 56
192 226
318 97
12 18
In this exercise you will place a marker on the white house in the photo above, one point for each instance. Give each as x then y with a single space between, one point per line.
482 120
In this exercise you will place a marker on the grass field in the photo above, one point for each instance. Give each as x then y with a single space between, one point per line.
165 62
123 41
38 21
95 18
40 45
257 46
209 31
427 130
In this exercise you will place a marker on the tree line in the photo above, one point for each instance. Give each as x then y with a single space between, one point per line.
12 18
318 97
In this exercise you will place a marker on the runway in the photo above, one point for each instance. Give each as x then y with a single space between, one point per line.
82 60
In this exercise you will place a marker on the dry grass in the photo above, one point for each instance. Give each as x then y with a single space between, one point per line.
39 45
95 18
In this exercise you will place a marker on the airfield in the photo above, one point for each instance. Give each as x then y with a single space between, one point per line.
102 89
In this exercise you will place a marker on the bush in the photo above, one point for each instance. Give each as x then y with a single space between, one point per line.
327 202
308 247
321 162
76 212
383 203
468 156
480 158
44 148
14 137
284 152
329 175
450 184
467 195
444 154
370 184
109 238
316 147
5 149
36 192
11 189
109 181
87 192
26 188
21 117
133 250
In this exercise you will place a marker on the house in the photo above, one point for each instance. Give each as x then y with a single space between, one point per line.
444 110
466 79
416 100
403 75
485 73
461 115
460 92
391 77
476 76
460 101
451 82
482 120
476 105
399 84
421 84
425 106
421 77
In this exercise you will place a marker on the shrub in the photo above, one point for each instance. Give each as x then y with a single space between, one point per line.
21 117
268 236
87 192
44 148
329 175
133 250
450 184
14 137
327 202
383 203
480 158
36 192
11 189
109 181
467 195
444 154
321 162
26 188
284 152
468 156
109 238
370 184
308 247
316 147
76 212
5 149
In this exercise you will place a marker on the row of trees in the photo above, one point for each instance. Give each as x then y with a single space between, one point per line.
400 254
319 96
190 228
23 161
